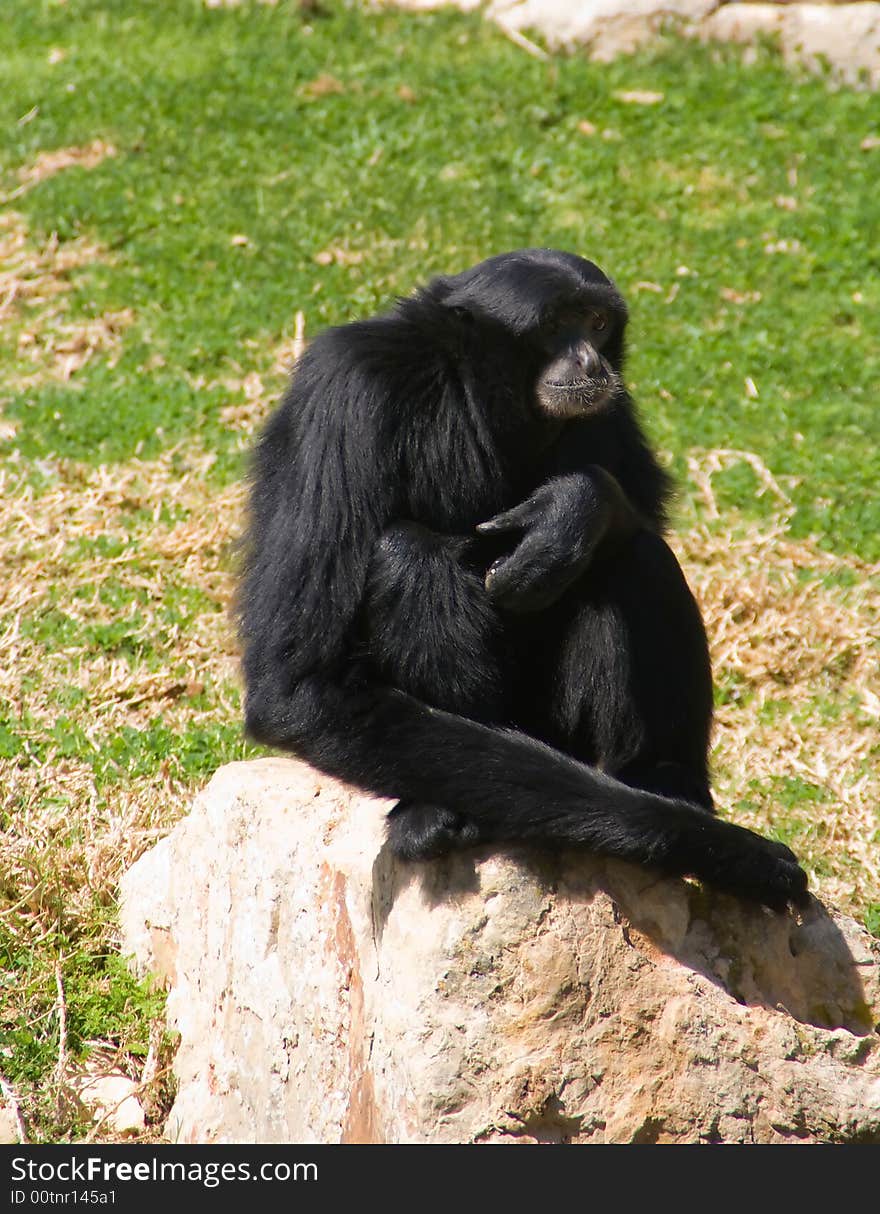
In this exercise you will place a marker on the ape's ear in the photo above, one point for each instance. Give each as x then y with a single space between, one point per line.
459 301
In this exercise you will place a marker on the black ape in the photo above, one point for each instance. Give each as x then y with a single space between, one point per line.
457 593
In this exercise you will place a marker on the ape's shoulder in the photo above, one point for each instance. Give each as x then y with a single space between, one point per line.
378 369
416 328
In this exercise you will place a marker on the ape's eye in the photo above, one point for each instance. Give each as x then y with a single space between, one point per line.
598 322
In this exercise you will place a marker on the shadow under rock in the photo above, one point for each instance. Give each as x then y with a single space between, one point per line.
442 879
810 964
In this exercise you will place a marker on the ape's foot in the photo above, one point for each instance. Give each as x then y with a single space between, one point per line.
774 878
755 868
424 832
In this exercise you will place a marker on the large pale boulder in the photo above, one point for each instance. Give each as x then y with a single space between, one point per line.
846 37
324 992
607 27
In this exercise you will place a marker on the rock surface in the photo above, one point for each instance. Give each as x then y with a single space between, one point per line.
112 1099
8 1125
607 27
324 992
845 36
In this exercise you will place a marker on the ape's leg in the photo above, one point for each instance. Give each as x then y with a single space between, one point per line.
630 687
429 626
418 831
349 722
431 631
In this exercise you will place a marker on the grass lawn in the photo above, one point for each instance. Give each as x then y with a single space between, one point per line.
185 191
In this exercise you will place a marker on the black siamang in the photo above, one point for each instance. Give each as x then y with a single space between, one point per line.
456 590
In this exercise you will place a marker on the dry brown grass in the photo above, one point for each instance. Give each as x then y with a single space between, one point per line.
31 276
47 164
34 281
57 349
38 572
801 647
794 644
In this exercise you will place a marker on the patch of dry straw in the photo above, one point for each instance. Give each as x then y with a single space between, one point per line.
64 842
34 281
47 164
800 650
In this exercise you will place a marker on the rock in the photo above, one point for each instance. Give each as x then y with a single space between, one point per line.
846 37
607 27
112 1099
745 22
8 1125
325 992
841 34
427 6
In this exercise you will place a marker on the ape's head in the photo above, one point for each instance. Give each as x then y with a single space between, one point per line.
560 320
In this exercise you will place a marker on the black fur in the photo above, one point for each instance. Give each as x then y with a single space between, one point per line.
456 597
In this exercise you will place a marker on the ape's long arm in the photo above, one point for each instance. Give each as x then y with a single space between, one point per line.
310 692
378 426
514 787
563 525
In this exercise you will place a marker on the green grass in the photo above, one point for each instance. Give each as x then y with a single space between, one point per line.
220 134
103 1004
266 163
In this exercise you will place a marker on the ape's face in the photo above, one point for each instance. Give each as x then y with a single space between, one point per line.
553 320
578 377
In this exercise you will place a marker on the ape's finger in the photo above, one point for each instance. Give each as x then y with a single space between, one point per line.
523 568
509 520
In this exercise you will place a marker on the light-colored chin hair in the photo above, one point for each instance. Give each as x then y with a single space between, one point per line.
567 403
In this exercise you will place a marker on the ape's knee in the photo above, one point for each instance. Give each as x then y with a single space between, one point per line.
653 556
416 574
646 575
285 713
396 545
428 624
260 720
404 542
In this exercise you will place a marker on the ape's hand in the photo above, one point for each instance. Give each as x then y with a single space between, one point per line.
562 524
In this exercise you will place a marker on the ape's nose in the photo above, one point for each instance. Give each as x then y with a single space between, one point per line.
587 359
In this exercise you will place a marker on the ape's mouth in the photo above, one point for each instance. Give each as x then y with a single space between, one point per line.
574 398
581 387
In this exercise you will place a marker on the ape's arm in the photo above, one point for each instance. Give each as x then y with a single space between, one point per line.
605 486
564 523
377 426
